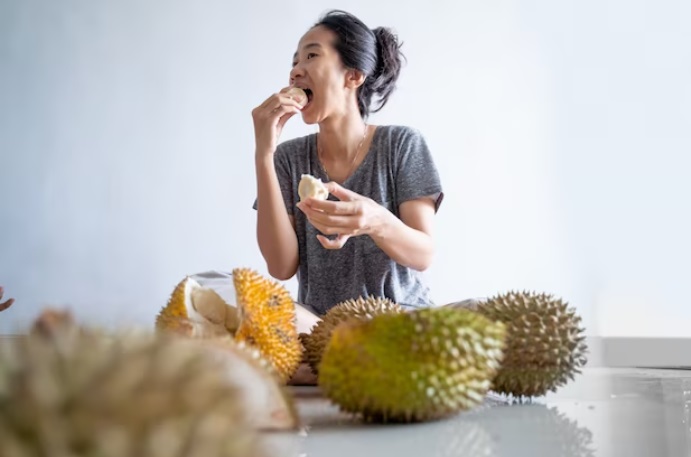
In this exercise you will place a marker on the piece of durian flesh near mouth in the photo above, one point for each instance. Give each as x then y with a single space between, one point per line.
298 95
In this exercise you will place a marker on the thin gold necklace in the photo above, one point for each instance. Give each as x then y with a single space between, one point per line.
320 152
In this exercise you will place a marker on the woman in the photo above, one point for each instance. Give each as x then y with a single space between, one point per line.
373 236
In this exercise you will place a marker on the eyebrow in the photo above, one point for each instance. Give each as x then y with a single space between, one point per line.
308 46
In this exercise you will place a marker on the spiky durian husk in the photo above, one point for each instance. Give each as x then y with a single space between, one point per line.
315 341
416 366
267 320
196 311
545 346
72 391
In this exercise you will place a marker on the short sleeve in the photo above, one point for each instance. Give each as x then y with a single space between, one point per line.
282 167
416 174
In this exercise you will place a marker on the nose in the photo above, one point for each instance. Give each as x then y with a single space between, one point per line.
296 72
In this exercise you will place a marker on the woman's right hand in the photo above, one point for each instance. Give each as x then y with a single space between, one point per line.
269 119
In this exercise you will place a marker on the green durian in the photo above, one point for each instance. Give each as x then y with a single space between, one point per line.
66 390
362 308
545 343
409 367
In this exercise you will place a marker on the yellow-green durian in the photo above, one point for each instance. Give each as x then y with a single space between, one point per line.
406 367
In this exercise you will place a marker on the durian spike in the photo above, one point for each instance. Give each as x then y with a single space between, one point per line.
267 320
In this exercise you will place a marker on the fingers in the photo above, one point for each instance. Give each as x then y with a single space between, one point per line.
7 304
336 243
341 193
272 103
331 221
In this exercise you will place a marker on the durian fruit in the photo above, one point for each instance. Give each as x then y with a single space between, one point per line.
270 405
267 320
545 343
73 391
310 186
6 304
415 366
362 308
196 311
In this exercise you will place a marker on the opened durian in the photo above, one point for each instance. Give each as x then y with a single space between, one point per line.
197 311
267 320
71 391
315 341
545 343
405 367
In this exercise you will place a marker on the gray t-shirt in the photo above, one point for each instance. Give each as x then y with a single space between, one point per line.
398 167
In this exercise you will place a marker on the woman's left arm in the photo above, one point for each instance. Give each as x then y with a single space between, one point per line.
408 240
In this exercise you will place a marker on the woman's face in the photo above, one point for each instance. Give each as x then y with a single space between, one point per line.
318 69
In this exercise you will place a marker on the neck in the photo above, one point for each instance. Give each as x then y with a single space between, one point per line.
339 138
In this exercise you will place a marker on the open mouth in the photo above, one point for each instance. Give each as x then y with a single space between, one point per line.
309 95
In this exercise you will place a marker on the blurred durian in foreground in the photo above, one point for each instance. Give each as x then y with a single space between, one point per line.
545 343
361 309
67 390
406 367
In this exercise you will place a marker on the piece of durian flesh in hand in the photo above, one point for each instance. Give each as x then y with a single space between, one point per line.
312 187
197 311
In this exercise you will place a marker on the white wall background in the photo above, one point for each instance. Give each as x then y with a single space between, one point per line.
562 131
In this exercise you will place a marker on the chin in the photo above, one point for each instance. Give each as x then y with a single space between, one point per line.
309 119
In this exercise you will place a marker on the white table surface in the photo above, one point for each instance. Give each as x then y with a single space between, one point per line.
604 412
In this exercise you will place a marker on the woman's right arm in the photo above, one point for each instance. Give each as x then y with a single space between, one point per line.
275 227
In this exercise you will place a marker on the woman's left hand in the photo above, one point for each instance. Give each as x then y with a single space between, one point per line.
352 215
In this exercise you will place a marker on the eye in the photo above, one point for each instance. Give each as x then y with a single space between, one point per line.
311 55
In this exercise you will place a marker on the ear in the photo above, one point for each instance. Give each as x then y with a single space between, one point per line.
354 79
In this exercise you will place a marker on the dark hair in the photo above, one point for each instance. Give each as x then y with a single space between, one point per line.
376 53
